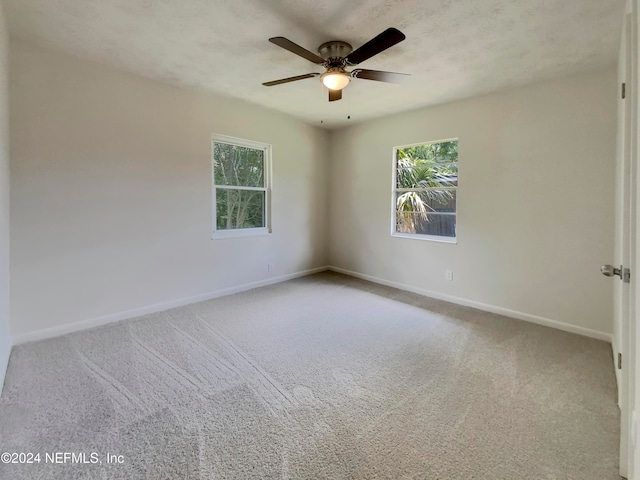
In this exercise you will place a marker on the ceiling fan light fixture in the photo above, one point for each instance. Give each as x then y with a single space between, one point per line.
335 80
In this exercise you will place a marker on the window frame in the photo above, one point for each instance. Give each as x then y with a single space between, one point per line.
266 174
394 168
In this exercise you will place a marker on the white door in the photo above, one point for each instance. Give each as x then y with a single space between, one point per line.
624 241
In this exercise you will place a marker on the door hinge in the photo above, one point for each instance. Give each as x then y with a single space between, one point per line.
619 361
624 90
626 276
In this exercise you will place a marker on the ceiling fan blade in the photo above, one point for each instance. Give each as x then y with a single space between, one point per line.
378 44
290 79
377 75
297 49
335 95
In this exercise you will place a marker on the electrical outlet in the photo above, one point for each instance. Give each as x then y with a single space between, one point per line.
449 275
269 267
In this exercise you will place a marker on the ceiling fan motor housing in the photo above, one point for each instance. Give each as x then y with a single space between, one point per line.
334 52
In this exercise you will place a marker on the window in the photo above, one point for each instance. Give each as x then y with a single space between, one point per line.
240 187
425 184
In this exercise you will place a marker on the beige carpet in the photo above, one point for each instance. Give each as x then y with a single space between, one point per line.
324 377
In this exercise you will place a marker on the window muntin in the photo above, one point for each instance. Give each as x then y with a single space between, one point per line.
425 188
240 186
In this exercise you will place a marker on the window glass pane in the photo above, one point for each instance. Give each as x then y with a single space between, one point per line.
439 224
239 209
442 152
424 212
240 166
431 165
440 200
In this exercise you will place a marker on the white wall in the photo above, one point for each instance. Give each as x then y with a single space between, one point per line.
111 195
5 342
535 202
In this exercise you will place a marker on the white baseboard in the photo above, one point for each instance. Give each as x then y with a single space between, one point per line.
136 312
547 322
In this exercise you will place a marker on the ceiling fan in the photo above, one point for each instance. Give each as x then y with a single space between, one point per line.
336 56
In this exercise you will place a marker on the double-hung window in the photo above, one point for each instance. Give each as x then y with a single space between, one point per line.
241 187
425 187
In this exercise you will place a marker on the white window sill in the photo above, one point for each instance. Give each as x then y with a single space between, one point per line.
430 238
241 232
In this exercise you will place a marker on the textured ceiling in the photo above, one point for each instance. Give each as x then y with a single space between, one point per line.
454 48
